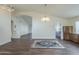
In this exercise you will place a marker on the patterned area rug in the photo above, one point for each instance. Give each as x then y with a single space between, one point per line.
47 44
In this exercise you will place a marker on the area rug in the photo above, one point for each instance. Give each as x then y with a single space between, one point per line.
46 44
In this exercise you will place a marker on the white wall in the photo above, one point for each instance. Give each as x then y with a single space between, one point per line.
28 20
47 30
21 26
44 30
5 26
73 21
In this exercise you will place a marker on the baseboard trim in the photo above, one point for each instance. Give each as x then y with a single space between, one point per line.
1 44
42 39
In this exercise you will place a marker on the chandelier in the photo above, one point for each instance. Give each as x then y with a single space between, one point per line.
45 18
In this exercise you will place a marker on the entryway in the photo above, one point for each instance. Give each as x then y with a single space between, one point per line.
58 30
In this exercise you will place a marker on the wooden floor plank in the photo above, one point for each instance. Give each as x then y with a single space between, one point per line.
23 47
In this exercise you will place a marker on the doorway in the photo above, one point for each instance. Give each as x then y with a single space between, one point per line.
58 30
12 27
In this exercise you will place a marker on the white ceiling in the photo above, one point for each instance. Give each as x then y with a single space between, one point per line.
60 10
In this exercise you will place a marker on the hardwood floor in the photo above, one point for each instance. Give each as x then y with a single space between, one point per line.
22 46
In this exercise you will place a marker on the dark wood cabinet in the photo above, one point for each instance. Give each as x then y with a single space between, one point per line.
67 30
74 37
69 35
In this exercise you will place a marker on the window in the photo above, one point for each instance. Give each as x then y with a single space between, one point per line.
58 27
77 27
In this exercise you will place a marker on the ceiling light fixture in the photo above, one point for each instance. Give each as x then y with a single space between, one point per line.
45 18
